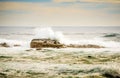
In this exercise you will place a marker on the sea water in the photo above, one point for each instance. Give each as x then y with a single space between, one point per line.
108 36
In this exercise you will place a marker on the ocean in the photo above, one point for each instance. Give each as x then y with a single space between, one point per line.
25 62
108 36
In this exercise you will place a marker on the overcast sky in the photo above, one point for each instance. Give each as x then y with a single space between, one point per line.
60 12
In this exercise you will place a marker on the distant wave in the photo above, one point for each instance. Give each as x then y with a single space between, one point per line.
112 35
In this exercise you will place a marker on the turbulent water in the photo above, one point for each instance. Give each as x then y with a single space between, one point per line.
103 36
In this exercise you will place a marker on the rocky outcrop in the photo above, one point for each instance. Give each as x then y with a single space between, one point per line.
16 45
48 43
4 45
45 43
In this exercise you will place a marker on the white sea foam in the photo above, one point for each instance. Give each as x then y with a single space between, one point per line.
98 41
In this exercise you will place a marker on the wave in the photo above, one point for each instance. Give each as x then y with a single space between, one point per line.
112 35
48 33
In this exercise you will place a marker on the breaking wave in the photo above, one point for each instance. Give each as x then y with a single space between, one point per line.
48 33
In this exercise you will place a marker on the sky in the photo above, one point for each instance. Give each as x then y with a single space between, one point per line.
60 12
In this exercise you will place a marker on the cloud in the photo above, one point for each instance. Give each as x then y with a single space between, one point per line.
59 1
103 1
96 1
37 8
42 13
13 12
25 0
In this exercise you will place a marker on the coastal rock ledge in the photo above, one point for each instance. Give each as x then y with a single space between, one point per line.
45 43
48 43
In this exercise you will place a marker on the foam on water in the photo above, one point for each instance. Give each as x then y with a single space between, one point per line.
98 41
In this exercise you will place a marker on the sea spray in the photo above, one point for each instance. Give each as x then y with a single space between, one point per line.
44 33
61 38
48 33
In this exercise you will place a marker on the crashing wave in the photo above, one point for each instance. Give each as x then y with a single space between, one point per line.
48 33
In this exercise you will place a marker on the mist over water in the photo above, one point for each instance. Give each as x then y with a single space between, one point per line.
103 36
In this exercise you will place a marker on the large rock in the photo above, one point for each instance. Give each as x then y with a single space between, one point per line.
45 43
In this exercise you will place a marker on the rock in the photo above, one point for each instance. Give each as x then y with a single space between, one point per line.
4 45
29 50
84 46
16 45
38 48
2 75
89 56
45 43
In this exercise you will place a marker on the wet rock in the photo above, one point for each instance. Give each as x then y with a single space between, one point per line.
28 50
38 48
111 75
2 75
45 43
89 56
84 46
16 45
4 45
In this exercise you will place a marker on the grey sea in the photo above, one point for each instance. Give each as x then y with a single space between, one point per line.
25 62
